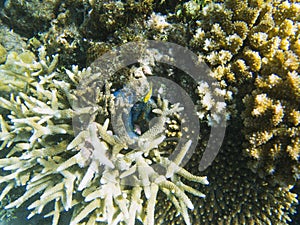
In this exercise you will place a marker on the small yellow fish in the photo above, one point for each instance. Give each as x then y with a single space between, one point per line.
148 95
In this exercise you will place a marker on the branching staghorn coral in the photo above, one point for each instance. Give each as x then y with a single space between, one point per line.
98 174
235 38
33 106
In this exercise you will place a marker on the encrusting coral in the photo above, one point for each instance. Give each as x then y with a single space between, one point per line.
99 175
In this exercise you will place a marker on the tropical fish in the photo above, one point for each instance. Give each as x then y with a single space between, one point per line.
140 114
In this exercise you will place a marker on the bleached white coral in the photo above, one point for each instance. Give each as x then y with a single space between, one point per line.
157 22
121 169
200 34
210 106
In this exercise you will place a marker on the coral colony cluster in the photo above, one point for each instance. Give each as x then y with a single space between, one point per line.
96 173
74 140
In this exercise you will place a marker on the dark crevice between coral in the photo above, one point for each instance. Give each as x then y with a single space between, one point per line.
2 2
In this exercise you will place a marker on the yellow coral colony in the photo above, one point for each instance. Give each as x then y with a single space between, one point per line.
253 47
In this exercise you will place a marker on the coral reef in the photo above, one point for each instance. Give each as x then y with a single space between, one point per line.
71 27
254 51
81 30
29 18
252 47
235 194
101 175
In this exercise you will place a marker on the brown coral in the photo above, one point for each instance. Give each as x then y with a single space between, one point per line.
253 48
29 17
263 73
236 195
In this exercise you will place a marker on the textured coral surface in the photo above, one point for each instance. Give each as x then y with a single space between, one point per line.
253 50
